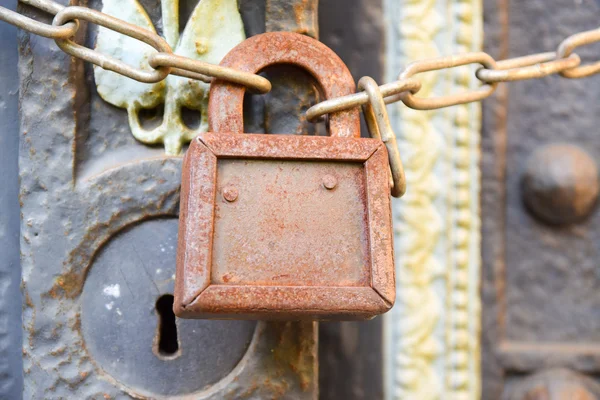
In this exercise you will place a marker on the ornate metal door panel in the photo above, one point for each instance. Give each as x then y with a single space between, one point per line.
541 281
99 230
432 333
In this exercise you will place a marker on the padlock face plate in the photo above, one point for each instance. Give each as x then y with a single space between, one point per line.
284 227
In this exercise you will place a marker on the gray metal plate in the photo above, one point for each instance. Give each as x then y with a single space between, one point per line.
121 323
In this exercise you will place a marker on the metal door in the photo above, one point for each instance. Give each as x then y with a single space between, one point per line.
540 279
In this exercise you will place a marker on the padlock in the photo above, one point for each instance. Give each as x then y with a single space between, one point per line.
284 227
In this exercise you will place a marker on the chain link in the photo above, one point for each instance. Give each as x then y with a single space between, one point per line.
162 63
390 91
104 61
380 127
570 44
435 64
48 6
528 67
195 69
39 28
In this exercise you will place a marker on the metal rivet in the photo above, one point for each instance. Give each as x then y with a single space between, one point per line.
230 193
555 384
330 182
560 184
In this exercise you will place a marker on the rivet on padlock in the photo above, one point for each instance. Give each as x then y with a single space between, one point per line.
304 228
330 182
230 193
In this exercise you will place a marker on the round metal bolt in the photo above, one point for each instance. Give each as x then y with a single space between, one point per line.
554 384
560 184
230 193
330 182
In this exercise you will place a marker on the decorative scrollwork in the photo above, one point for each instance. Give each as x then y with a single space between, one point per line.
433 331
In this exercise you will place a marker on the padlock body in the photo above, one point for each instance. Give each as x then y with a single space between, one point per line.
284 227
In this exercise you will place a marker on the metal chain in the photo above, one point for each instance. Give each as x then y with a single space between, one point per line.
65 25
564 62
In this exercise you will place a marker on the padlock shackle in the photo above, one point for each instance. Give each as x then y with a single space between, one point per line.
225 105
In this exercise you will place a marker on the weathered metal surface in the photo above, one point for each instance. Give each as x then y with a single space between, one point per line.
11 380
541 285
225 107
89 190
288 247
560 184
131 273
299 17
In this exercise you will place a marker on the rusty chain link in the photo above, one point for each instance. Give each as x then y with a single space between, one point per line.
65 25
379 125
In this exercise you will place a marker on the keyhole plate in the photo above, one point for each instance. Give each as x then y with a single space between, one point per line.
120 322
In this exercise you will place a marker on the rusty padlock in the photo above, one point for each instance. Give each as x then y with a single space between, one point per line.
282 226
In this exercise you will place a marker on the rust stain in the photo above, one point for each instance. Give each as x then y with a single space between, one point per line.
58 352
303 11
67 285
278 388
293 352
28 301
247 393
76 326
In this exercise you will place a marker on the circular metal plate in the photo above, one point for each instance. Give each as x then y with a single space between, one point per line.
120 321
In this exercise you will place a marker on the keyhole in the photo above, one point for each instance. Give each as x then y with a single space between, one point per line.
166 343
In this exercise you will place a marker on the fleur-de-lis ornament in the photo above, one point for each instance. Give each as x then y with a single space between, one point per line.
214 28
